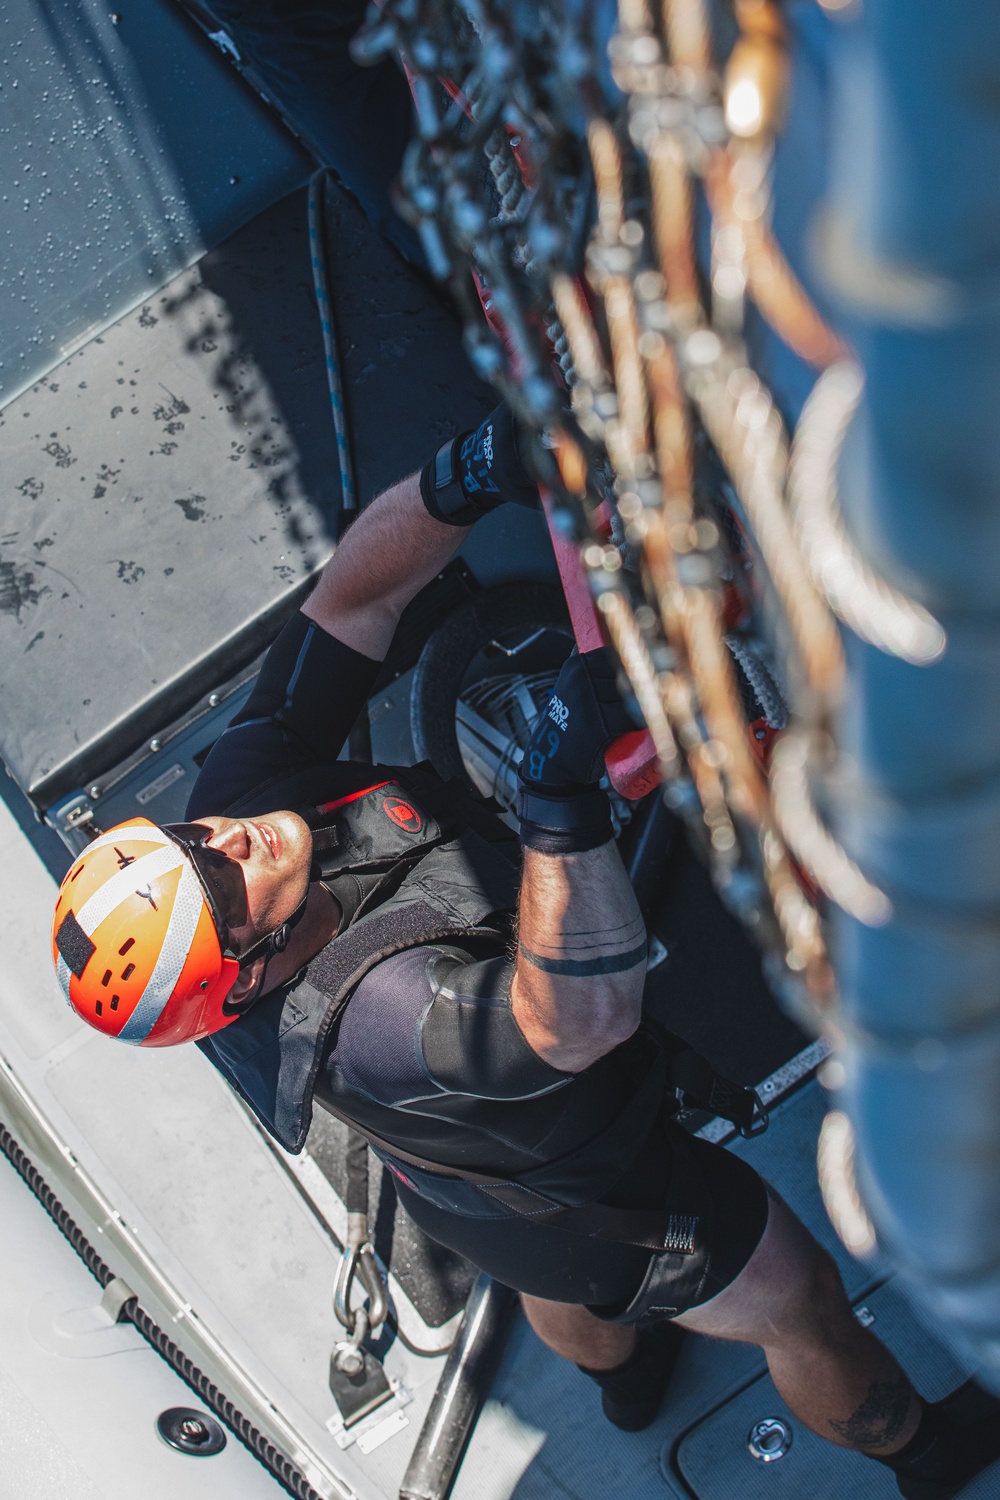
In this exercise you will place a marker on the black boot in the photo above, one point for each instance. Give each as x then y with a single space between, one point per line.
969 1405
957 1438
632 1393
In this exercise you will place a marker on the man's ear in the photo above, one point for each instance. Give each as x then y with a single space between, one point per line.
247 981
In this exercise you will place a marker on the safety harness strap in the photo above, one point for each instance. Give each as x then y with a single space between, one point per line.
653 1229
696 1083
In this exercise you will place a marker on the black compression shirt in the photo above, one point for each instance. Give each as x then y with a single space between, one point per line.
395 1047
428 1054
309 693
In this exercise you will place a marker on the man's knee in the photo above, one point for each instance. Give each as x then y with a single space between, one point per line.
789 1288
811 1302
572 1331
798 1279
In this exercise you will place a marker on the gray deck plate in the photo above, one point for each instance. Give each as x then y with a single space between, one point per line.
717 1465
170 489
64 1368
126 152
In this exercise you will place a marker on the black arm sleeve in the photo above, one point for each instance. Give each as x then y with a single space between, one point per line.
310 691
432 1023
470 1039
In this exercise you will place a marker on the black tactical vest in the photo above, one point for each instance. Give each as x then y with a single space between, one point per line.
407 873
411 861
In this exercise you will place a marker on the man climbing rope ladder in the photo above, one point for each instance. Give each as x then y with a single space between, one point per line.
357 947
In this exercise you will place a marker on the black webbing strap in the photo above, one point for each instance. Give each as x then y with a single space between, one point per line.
356 1162
652 1229
688 1074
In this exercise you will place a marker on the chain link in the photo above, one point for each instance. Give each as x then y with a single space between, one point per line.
636 368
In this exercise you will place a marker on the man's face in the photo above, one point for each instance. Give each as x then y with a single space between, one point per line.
274 853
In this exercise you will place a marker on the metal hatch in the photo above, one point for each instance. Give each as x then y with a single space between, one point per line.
716 1459
163 508
129 149
171 488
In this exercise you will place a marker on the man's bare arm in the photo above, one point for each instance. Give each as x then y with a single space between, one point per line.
581 963
383 560
400 542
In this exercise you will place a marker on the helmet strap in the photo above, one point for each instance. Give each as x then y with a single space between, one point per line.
275 941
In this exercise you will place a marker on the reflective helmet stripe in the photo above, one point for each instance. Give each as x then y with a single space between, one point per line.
189 903
127 882
143 833
64 976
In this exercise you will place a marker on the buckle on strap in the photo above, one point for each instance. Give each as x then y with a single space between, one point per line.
743 1107
444 465
692 1077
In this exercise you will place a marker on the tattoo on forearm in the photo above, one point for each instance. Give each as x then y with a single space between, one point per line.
585 968
880 1417
588 952
619 932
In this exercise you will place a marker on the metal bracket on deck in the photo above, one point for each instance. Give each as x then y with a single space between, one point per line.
117 1295
358 1383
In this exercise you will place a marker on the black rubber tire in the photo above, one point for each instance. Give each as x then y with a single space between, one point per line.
445 660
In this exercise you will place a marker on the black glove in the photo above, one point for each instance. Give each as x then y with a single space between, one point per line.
477 471
561 808
584 715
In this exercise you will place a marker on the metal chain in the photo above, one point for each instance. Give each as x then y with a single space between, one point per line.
627 369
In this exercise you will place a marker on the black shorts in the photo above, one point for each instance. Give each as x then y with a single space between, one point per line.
562 1266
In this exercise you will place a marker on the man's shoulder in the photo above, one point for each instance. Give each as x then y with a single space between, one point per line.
313 785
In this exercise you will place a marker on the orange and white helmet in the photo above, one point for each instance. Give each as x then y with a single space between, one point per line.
140 936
